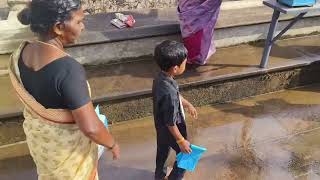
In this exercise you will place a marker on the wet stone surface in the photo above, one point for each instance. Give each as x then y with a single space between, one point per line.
11 131
232 73
273 136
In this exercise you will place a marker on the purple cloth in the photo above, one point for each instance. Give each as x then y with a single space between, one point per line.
197 21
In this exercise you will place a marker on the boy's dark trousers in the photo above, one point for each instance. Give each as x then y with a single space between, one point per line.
164 143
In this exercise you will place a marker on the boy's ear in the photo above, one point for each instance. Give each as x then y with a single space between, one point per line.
175 68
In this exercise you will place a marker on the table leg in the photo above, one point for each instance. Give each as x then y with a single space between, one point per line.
268 44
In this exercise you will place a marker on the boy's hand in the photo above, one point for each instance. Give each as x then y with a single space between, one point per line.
116 152
192 111
185 147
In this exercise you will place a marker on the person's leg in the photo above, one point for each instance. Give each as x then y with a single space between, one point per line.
178 173
162 156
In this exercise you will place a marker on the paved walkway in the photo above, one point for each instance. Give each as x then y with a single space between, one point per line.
273 136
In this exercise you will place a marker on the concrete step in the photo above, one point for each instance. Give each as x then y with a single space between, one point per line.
4 64
124 90
235 25
272 136
239 22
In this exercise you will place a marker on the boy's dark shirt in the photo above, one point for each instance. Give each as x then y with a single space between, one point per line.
166 105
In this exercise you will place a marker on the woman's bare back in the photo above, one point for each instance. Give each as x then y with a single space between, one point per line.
36 55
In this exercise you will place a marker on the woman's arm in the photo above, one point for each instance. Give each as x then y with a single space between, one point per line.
93 128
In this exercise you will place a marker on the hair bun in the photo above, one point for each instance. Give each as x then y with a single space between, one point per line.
25 16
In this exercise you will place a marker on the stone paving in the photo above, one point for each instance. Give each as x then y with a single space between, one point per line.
273 136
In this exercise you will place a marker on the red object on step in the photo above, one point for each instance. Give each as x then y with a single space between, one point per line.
130 21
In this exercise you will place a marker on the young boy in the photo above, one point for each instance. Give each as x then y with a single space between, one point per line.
168 107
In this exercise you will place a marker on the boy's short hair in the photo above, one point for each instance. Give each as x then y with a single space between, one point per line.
169 54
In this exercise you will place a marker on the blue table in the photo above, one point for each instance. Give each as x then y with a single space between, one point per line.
277 9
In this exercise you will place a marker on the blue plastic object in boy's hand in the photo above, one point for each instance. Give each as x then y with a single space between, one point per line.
104 120
190 161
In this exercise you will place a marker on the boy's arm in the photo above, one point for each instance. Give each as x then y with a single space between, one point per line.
184 145
186 104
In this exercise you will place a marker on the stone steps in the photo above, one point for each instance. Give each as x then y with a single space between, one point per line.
124 90
239 22
4 65
248 23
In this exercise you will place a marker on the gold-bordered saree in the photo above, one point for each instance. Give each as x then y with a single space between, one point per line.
59 149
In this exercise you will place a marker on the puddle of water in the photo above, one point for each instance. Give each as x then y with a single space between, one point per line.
258 138
274 136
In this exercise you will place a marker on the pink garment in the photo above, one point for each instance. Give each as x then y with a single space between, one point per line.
197 21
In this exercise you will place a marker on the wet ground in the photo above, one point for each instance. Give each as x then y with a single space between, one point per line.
228 63
273 136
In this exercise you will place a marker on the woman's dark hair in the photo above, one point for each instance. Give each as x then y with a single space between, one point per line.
41 15
169 54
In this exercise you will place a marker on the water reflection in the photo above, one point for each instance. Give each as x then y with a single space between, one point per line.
244 162
273 137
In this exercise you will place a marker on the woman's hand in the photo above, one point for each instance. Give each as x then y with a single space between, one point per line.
93 128
116 152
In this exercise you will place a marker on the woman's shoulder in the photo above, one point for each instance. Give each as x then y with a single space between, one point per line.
68 63
65 68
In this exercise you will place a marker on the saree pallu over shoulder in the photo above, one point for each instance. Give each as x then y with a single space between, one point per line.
59 149
54 115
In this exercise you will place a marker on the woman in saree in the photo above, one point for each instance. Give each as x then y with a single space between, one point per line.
62 129
197 22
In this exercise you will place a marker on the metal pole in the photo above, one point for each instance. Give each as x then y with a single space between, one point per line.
268 45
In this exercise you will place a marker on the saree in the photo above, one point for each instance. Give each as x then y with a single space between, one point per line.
197 21
58 147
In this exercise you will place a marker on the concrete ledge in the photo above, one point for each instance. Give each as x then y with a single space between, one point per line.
200 94
120 51
106 53
163 23
253 81
244 34
3 72
14 150
133 80
204 93
11 114
154 26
